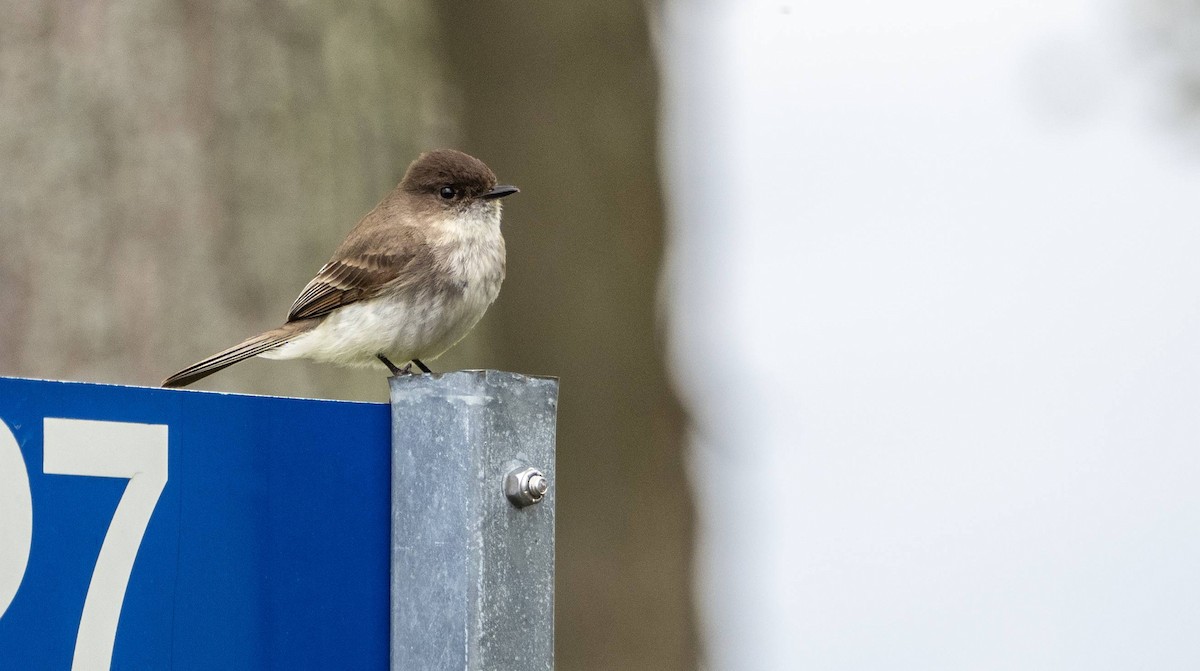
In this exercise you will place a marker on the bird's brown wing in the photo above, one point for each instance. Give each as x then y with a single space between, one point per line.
350 279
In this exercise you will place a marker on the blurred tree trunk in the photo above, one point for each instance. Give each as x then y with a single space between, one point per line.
560 98
174 172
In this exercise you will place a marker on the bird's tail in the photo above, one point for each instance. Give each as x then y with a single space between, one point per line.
239 352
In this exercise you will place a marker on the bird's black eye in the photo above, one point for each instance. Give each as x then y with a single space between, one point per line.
448 192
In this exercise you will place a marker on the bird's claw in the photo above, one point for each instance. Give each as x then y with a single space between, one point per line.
407 370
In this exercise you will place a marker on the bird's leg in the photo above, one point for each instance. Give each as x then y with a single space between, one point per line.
423 367
407 370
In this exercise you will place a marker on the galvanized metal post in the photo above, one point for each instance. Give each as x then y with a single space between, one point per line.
473 521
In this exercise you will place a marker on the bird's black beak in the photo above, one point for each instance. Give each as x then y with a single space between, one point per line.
501 191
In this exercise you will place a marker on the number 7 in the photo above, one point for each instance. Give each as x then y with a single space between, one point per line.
109 450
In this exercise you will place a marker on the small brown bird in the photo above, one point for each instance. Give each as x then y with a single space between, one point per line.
407 283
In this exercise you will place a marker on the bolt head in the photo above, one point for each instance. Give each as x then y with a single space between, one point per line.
525 486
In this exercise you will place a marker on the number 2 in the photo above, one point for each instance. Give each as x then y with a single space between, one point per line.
109 450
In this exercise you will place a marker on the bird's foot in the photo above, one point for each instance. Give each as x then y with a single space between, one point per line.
407 370
423 367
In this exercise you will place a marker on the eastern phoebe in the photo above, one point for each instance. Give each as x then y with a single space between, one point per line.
408 282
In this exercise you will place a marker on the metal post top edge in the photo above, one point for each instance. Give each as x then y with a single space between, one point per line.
473 375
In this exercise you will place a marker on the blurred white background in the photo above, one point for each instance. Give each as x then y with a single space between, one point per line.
934 309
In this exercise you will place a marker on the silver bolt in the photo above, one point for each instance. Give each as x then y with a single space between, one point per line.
538 484
525 486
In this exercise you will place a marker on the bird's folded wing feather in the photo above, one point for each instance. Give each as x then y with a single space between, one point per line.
345 281
359 274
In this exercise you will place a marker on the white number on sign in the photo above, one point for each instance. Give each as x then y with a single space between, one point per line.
109 450
16 517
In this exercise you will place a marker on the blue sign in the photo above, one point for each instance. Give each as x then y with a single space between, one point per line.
163 529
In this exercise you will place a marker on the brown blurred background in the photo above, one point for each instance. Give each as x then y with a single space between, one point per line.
172 173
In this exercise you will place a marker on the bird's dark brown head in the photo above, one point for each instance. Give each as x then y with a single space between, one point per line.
453 178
